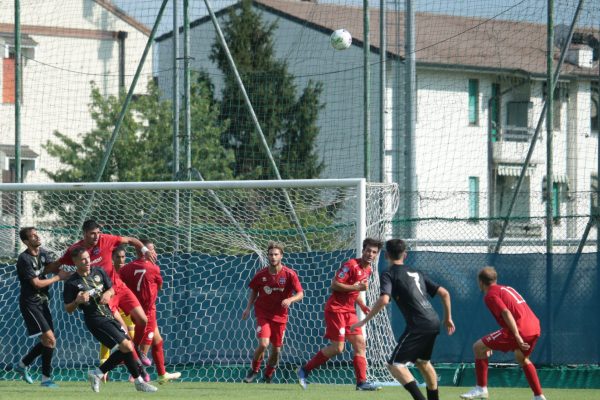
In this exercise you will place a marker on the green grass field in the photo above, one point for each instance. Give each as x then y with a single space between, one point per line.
17 390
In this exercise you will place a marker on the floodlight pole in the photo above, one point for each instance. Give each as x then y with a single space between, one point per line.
382 87
410 118
261 135
176 105
550 84
187 118
366 92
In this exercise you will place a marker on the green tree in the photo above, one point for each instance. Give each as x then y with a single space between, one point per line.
288 121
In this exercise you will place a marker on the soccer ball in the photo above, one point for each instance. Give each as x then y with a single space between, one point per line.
341 39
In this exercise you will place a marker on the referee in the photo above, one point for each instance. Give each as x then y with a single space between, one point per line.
411 291
33 303
90 289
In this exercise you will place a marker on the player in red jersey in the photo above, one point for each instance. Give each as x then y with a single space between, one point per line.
340 314
272 291
100 246
520 330
144 279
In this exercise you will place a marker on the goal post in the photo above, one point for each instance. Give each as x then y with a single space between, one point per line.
227 225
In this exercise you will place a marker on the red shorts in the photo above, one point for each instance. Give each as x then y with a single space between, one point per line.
123 299
338 325
274 331
502 340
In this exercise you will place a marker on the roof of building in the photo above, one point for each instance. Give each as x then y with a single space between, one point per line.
26 152
441 40
107 4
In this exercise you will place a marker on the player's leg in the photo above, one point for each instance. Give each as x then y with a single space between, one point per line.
423 351
159 359
131 306
529 369
36 324
357 340
263 334
482 350
49 342
403 356
277 335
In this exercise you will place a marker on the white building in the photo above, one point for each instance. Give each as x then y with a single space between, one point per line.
480 90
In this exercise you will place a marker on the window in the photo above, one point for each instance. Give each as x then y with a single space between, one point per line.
473 197
473 102
505 188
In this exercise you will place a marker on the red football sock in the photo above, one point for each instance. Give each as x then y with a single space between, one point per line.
158 355
318 360
256 364
360 368
269 371
481 371
139 334
532 378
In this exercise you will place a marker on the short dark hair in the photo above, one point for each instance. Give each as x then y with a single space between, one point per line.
488 275
24 233
370 242
146 242
77 251
90 225
395 248
118 249
275 245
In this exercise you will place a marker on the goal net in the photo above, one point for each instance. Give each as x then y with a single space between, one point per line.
211 238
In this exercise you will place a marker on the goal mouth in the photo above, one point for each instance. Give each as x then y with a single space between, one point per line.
211 238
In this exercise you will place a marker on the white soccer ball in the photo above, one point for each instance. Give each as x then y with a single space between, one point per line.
341 39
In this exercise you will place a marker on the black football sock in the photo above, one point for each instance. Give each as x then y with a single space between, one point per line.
413 389
47 361
433 394
131 365
114 360
33 354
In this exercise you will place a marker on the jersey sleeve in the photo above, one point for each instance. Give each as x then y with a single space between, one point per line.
47 256
386 284
495 304
69 293
430 286
344 274
66 259
112 241
254 283
296 283
25 269
158 279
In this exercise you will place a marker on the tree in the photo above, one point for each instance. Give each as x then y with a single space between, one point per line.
287 121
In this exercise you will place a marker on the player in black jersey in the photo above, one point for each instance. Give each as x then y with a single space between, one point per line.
411 291
90 289
33 302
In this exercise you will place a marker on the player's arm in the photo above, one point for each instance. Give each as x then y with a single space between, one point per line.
512 327
82 297
379 305
338 286
251 299
292 299
139 246
363 306
446 303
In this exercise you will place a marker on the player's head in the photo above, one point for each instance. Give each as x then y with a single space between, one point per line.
81 259
149 244
275 253
370 249
487 276
29 237
395 250
118 257
91 232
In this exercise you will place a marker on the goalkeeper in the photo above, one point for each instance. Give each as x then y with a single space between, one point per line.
271 293
143 277
90 289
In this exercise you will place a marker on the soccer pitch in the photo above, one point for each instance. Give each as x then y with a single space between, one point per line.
17 390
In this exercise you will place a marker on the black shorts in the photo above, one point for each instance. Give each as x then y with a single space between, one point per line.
413 346
37 318
107 331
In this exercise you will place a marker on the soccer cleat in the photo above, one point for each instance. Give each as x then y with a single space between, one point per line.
250 376
302 375
94 381
162 379
49 384
144 387
144 359
367 386
24 372
267 379
476 393
540 397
